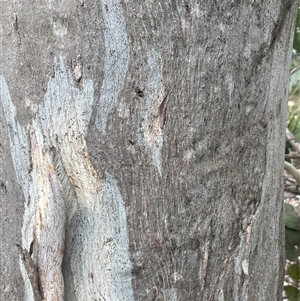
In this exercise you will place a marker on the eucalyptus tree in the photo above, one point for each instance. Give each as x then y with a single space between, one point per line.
142 149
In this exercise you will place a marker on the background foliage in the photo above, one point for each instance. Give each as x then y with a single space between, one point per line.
292 218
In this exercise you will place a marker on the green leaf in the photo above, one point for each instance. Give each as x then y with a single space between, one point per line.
298 19
296 43
294 84
292 243
294 271
292 293
291 218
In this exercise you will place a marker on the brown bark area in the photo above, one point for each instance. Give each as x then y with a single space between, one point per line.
223 134
193 214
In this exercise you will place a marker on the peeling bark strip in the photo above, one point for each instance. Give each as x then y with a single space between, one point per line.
50 220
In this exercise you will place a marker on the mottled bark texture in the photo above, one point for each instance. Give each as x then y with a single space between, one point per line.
156 156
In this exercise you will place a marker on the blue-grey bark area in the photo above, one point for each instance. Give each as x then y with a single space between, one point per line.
141 149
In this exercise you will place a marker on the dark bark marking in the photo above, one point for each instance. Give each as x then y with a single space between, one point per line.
279 23
3 187
139 92
32 273
31 248
278 108
162 111
16 25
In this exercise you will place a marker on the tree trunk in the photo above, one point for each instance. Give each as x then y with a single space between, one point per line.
142 149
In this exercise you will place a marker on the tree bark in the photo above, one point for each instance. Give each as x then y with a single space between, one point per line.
142 149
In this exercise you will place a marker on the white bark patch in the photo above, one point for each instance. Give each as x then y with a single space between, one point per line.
78 68
115 61
238 267
221 296
150 134
50 220
169 294
44 216
64 116
97 257
105 250
204 264
245 266
60 30
241 265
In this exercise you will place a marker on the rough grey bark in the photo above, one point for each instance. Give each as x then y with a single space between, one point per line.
156 154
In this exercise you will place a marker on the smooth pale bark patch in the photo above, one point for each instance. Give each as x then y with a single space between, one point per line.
149 131
116 60
97 261
50 222
64 116
169 294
